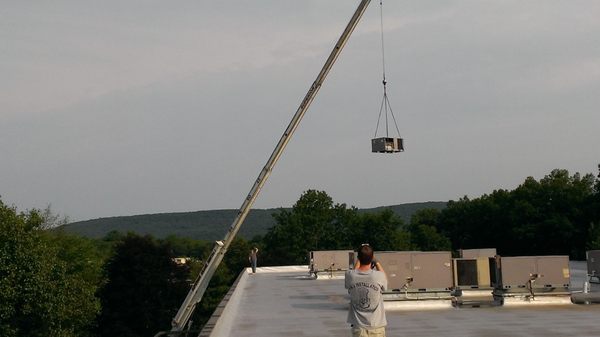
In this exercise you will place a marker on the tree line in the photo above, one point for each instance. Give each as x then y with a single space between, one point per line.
58 284
559 214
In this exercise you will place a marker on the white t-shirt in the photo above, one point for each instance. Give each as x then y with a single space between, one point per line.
366 301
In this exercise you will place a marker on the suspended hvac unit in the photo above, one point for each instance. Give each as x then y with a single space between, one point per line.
330 260
387 145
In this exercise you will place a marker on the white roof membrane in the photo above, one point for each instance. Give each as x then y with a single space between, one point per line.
284 301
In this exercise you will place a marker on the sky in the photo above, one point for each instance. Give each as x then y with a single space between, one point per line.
112 108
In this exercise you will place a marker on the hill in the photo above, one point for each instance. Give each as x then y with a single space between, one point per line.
207 225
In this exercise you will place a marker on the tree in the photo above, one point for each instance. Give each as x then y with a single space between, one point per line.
424 234
83 257
186 247
561 223
593 238
52 220
316 223
550 216
382 230
236 257
41 294
313 223
144 288
233 263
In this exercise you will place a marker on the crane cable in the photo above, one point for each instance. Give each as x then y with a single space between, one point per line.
382 42
385 103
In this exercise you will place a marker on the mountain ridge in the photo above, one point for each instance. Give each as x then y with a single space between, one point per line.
209 224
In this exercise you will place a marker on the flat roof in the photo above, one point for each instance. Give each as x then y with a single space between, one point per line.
285 301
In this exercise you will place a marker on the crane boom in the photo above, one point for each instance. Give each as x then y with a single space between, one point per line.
216 256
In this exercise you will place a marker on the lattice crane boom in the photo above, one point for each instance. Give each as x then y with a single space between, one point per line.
220 248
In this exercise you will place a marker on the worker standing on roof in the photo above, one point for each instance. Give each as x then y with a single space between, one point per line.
253 259
365 286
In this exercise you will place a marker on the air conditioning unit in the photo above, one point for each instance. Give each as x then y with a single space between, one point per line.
420 271
398 267
331 260
593 265
532 271
387 145
472 273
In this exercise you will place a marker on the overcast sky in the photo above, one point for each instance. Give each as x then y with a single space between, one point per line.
127 107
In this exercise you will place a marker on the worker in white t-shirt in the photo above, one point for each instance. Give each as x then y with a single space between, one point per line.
365 286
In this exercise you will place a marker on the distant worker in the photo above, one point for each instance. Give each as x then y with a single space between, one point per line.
253 258
365 286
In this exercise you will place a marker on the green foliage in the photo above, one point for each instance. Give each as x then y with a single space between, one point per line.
593 241
142 265
144 288
550 216
597 184
187 247
83 257
312 222
42 290
316 223
424 232
382 230
236 258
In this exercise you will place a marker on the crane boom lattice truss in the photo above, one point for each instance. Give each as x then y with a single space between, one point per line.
216 256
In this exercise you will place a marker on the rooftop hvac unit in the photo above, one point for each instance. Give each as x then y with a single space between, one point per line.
593 265
532 271
472 273
477 253
495 279
398 267
330 260
417 270
432 270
